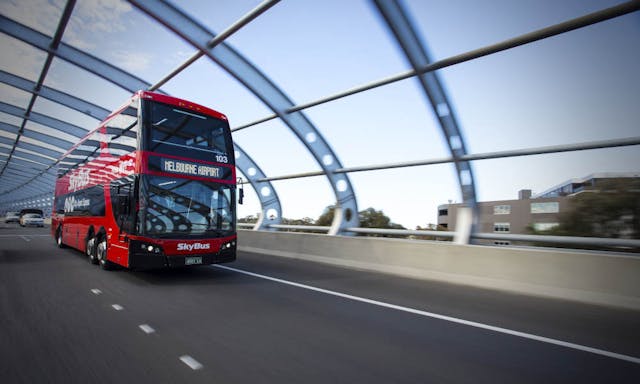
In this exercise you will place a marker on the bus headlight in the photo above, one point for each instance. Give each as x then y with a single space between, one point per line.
150 248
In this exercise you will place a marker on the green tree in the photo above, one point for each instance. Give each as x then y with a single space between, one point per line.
609 209
432 227
249 219
326 218
303 221
369 218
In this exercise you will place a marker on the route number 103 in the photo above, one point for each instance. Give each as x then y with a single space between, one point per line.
222 159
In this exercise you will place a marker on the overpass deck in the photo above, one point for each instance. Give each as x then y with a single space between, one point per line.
67 320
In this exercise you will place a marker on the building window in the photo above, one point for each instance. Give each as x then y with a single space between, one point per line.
501 227
549 207
501 209
443 212
544 226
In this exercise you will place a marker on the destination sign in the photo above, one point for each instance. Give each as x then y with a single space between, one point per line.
189 168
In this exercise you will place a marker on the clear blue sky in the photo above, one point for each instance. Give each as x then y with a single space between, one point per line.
577 87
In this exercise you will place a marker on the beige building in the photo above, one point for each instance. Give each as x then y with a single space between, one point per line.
509 216
540 212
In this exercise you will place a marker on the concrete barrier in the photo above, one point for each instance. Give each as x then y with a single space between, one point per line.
596 278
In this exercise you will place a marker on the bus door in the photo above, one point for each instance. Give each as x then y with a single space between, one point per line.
123 197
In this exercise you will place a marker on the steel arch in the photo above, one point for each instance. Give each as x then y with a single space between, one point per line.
48 93
40 183
27 171
346 213
398 21
114 75
32 156
95 66
72 55
21 173
43 120
37 181
42 137
271 209
35 188
30 164
37 148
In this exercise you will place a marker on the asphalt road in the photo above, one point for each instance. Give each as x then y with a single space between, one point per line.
273 320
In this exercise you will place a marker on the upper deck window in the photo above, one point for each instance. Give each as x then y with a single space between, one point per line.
186 133
122 131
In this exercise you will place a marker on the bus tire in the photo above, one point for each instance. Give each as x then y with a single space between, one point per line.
59 238
91 249
101 251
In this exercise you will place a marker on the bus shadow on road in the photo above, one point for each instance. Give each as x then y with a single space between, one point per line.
192 275
201 275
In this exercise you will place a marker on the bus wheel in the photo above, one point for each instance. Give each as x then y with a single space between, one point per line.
91 250
101 252
59 238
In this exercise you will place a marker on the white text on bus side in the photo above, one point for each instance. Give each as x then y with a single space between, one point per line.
78 180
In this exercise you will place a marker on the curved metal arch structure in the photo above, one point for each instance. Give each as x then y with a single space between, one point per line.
269 200
54 95
34 160
51 122
346 212
26 166
73 55
402 28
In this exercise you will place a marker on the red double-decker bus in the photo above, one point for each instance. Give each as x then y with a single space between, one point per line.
153 186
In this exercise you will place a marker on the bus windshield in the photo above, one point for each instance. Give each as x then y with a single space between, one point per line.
174 131
183 207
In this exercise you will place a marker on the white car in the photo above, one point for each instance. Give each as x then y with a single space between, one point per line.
31 219
12 217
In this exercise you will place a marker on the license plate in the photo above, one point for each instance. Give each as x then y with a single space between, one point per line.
192 260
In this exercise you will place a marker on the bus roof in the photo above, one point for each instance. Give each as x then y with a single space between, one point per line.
180 103
162 98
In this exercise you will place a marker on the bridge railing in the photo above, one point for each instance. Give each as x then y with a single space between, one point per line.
601 278
595 242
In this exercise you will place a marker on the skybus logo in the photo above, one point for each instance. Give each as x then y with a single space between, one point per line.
79 180
191 247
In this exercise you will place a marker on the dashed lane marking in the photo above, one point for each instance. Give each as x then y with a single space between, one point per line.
191 362
117 307
146 328
25 235
96 291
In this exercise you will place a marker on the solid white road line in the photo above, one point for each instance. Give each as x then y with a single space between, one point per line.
524 335
146 328
117 307
191 362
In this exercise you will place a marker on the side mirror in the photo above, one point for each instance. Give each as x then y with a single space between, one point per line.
240 182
